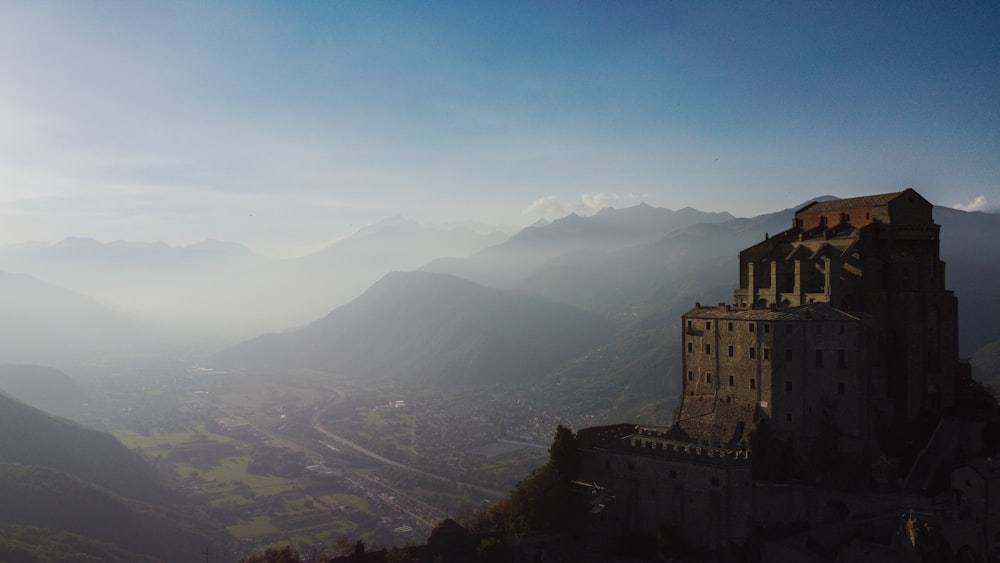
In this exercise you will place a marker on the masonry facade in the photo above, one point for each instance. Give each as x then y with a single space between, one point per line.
842 318
801 368
841 323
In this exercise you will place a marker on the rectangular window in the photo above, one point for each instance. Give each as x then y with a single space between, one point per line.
730 350
751 327
690 376
767 353
730 327
788 417
708 378
841 329
708 325
788 355
840 389
732 381
708 348
841 358
753 383
819 329
788 386
767 328
690 346
753 352
788 328
819 358
689 324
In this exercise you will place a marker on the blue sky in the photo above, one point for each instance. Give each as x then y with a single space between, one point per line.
285 125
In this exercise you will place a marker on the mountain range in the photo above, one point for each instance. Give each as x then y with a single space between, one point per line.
419 329
524 308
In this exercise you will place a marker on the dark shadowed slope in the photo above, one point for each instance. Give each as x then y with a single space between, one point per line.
31 437
418 327
69 481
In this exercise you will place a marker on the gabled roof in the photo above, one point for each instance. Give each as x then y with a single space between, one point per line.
853 202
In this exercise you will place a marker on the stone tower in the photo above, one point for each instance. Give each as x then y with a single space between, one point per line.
844 316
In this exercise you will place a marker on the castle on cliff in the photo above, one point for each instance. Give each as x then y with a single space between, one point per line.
838 354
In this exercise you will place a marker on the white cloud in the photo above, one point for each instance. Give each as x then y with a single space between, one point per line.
977 204
594 203
548 207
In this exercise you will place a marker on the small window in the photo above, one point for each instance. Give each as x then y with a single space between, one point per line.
732 380
751 326
689 324
708 378
715 481
672 474
788 417
819 358
788 328
690 346
788 386
708 325
690 376
753 352
730 350
841 358
840 389
767 353
841 329
753 383
767 328
819 329
631 467
708 348
730 327
652 492
788 355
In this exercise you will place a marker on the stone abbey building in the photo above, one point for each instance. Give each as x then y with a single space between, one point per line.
842 323
842 319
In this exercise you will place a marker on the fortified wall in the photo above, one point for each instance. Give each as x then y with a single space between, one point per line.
701 492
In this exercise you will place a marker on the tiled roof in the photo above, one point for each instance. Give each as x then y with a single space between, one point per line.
810 312
849 203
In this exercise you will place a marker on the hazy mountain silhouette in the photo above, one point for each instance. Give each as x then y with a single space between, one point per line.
153 278
292 292
504 265
417 327
44 324
44 388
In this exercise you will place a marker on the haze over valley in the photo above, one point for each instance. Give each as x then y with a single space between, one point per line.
339 275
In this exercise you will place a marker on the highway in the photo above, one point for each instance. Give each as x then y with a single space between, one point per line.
345 442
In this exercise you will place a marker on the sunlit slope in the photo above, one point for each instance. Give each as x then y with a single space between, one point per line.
418 327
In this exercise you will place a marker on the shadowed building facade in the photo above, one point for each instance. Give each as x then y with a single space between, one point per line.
841 327
842 318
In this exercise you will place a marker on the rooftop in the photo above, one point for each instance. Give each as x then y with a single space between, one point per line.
810 312
850 203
